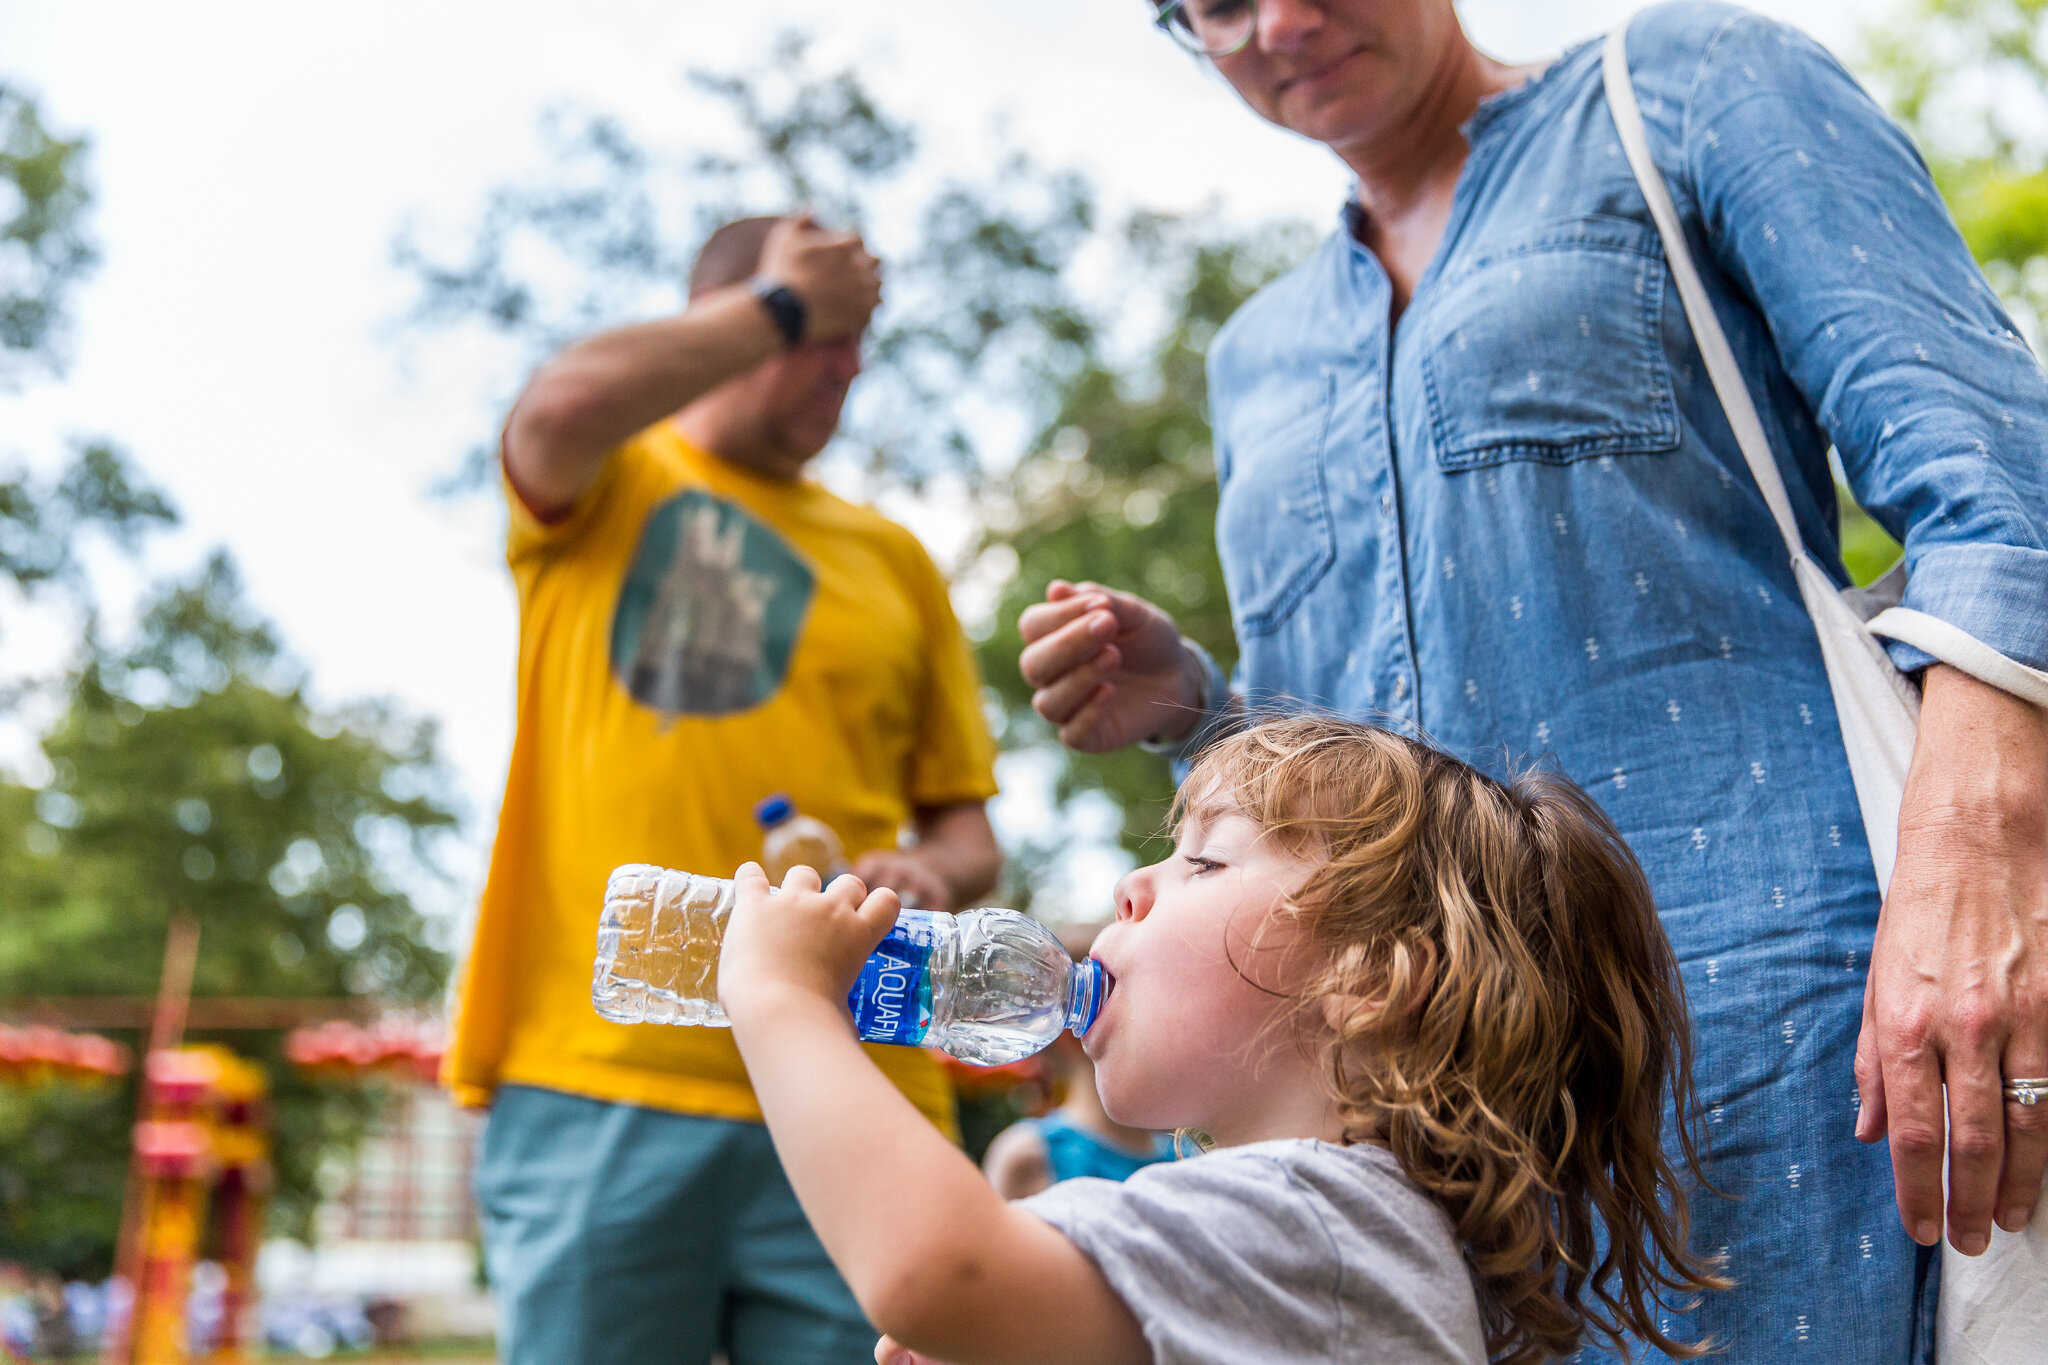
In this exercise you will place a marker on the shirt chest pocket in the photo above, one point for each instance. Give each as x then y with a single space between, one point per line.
1273 514
1552 351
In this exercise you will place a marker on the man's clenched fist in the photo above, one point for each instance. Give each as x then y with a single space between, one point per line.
839 282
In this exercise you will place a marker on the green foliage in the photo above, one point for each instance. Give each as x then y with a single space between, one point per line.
821 138
1969 79
191 772
44 249
43 253
1121 490
1867 551
977 318
2003 213
1944 64
42 522
63 1157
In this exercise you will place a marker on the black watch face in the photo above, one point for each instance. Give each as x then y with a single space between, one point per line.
785 308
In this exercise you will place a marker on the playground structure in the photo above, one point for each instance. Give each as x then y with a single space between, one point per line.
201 1159
202 1155
396 1049
200 1173
203 1150
39 1054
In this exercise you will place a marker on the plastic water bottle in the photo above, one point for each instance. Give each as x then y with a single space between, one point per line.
985 986
793 840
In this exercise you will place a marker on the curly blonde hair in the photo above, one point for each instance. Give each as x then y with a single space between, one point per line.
1488 992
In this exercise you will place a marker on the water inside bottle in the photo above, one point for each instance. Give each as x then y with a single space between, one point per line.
657 947
1011 989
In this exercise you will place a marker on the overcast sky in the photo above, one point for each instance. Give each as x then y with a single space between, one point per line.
253 161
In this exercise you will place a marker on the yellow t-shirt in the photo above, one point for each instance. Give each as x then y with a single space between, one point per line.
694 637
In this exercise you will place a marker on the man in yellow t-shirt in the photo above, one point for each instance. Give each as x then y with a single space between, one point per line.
701 626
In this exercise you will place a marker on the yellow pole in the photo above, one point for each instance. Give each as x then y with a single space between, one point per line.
167 1031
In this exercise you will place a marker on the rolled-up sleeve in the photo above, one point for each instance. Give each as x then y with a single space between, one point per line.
1818 205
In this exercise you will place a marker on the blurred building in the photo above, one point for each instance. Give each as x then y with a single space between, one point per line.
410 1180
398 1231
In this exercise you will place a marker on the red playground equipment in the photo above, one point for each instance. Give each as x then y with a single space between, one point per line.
397 1048
39 1053
199 1176
203 1152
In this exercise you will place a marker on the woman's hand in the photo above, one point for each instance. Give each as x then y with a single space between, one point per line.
1107 668
804 944
1958 988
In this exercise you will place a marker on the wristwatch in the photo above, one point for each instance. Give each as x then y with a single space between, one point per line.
785 309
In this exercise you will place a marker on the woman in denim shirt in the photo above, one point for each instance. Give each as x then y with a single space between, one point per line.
1475 481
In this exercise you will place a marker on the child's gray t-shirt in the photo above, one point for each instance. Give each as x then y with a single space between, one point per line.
1294 1250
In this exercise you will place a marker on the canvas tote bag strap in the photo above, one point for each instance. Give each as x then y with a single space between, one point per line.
1706 326
1876 707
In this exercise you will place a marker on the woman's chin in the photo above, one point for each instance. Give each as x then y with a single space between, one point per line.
1338 120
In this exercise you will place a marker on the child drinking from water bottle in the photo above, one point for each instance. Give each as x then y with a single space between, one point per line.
1428 1024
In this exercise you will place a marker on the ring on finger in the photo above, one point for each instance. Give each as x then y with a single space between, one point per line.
2027 1090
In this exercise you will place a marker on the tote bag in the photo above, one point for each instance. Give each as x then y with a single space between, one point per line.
1994 1307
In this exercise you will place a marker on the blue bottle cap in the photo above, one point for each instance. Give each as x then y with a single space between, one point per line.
772 811
1084 996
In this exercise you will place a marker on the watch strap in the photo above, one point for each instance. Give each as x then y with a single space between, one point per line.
784 308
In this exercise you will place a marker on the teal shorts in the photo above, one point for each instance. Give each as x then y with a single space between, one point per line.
617 1234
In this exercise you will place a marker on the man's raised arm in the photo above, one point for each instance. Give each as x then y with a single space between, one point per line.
582 405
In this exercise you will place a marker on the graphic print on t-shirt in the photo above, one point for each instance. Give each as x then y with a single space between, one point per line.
709 613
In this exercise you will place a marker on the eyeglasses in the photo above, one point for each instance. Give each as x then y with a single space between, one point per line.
1208 28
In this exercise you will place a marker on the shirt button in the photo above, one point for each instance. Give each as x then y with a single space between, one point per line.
1400 686
1386 502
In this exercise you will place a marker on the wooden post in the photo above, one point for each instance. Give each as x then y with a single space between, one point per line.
174 989
167 1031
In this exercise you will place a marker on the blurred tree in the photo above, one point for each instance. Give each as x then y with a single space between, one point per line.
44 249
188 770
191 771
1969 79
42 522
978 324
1120 489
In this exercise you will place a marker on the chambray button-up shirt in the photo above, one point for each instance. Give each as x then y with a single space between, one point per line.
1517 520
